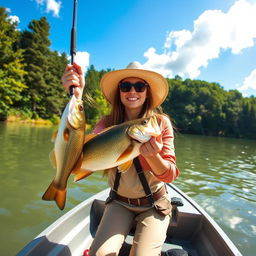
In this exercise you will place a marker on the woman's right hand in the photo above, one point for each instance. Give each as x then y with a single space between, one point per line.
73 75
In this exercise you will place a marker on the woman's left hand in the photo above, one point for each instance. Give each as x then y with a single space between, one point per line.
152 147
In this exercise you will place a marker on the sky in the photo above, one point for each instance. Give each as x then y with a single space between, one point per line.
211 40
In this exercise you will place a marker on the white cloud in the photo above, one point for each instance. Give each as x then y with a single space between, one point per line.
14 19
186 52
249 82
51 6
54 6
82 59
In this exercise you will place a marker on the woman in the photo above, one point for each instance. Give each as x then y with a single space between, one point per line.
134 93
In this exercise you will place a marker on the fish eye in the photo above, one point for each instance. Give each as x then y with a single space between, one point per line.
80 107
145 121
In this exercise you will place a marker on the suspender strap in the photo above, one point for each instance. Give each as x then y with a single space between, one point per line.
113 191
143 181
117 180
142 178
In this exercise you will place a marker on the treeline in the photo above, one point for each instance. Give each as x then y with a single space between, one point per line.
30 87
29 71
200 107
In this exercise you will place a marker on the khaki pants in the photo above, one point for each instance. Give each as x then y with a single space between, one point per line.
116 223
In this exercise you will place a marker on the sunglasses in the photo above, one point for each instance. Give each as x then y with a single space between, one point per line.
127 86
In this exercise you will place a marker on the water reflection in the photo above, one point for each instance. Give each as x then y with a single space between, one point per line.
219 173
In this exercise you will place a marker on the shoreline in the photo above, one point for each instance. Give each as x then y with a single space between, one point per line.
39 121
49 123
34 122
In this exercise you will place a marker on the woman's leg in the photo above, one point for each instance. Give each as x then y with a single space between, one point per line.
150 233
114 227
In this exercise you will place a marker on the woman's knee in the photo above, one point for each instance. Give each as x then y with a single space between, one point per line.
109 247
150 234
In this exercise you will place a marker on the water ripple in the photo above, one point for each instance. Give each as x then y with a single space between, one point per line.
219 173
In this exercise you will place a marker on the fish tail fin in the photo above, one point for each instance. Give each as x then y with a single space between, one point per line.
58 195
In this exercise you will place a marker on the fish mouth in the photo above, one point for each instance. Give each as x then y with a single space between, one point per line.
144 138
140 136
154 134
145 130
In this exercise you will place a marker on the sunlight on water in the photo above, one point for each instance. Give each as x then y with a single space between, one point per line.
219 173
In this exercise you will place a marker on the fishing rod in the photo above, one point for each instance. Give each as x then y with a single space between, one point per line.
73 43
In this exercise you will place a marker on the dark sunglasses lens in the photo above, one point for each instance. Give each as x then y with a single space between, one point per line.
139 87
127 86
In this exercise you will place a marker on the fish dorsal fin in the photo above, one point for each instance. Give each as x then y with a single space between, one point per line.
52 157
126 153
88 137
125 167
108 128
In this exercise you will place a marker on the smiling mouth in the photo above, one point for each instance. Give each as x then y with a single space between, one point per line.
132 98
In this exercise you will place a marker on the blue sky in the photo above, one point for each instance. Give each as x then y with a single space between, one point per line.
212 40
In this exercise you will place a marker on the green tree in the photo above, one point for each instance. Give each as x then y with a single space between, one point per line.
56 97
11 67
36 44
232 109
92 86
247 118
45 96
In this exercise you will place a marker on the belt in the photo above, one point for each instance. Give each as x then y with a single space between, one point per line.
142 201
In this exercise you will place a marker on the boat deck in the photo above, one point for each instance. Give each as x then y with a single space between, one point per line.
191 229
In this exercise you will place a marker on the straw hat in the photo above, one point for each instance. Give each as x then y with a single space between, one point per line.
157 83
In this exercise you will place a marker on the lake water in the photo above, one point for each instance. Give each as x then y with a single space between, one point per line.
218 173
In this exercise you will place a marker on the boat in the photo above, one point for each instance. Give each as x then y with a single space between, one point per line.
191 229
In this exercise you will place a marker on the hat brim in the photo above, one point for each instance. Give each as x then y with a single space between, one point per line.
157 83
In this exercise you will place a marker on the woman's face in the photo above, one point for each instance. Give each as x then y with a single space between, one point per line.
133 100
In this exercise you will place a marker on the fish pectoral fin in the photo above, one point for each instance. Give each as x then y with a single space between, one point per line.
78 172
125 167
78 164
81 174
126 153
52 157
58 195
54 136
88 137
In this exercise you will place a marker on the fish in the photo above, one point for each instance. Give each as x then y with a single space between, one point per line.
116 146
67 150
